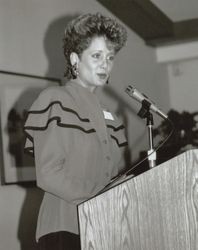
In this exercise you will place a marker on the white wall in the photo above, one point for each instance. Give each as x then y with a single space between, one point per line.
181 61
30 42
183 82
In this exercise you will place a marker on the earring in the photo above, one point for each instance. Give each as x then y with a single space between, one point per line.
107 82
74 70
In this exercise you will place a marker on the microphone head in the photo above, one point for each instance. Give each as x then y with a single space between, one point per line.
133 92
129 90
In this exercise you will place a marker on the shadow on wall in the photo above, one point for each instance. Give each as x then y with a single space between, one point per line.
53 46
14 129
28 216
30 208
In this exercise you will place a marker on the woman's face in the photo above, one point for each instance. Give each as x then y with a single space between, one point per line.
95 63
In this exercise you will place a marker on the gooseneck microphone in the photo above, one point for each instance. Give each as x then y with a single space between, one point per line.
140 97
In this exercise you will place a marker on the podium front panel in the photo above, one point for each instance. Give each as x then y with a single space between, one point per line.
157 210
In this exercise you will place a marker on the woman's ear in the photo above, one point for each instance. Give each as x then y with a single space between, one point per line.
74 59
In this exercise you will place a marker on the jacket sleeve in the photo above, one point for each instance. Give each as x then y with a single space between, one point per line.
49 139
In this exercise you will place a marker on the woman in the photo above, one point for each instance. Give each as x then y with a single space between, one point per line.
76 142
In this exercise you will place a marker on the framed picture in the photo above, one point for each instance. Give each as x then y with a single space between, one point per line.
17 94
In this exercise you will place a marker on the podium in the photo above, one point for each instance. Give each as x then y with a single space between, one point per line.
157 210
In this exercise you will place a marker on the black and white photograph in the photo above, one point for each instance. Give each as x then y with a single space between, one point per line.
99 125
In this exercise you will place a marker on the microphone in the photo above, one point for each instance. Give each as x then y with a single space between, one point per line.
133 92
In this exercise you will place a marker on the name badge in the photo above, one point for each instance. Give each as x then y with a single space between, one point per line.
108 115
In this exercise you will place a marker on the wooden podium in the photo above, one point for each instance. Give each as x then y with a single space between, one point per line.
157 210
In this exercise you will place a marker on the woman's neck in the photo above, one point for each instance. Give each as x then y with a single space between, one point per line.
79 82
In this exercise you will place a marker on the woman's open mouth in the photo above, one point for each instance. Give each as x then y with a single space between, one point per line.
102 76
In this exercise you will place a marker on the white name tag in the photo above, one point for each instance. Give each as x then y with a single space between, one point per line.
108 115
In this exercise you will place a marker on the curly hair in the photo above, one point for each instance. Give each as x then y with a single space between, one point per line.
80 31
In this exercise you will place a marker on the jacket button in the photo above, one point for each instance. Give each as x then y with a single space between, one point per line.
107 174
105 141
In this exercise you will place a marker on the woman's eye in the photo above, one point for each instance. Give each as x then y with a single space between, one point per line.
111 58
96 55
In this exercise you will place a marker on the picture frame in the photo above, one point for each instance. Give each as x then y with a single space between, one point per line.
17 93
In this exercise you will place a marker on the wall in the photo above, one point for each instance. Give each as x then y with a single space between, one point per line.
181 61
183 83
30 42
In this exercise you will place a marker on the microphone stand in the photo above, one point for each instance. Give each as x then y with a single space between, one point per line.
144 112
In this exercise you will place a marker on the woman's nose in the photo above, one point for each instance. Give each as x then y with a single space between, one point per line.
104 63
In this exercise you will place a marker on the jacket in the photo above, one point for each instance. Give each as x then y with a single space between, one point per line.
77 146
